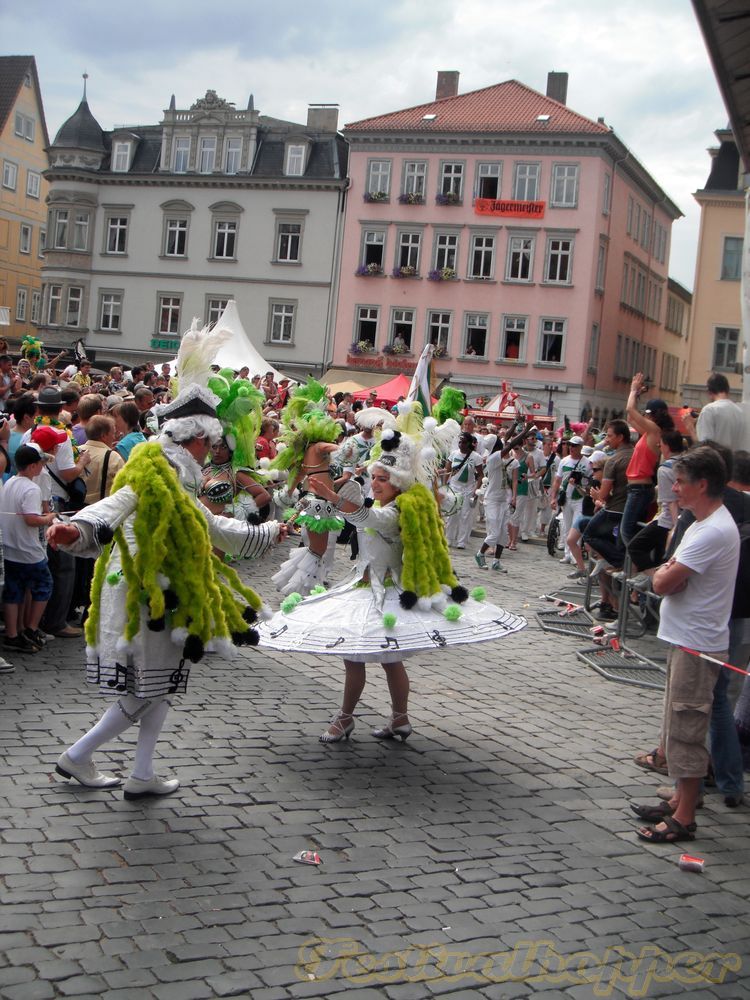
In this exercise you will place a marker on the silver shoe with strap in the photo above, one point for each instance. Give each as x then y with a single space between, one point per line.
391 731
341 730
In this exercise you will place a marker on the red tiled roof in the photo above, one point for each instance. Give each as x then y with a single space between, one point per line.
504 107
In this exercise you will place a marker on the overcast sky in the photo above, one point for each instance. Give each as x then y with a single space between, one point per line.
643 66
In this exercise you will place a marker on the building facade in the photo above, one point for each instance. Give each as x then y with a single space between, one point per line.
23 213
150 226
524 241
715 331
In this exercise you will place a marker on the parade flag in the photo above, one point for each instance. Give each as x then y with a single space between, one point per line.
419 390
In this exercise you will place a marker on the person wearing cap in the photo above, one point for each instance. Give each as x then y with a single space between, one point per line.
24 553
159 596
597 460
568 488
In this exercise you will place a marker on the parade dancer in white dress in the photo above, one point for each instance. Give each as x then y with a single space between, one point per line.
404 596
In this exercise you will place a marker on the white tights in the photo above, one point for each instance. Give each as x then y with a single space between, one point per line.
149 713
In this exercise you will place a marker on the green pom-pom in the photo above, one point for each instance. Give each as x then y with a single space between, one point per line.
479 593
320 589
389 619
113 579
228 559
294 596
452 613
288 604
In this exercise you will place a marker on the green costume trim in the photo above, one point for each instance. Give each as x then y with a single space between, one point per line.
172 538
320 525
304 422
241 413
449 406
426 565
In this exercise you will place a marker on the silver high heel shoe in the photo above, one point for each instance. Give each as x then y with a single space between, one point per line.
342 731
390 732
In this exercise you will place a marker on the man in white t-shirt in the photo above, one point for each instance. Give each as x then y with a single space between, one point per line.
500 495
571 476
697 586
464 469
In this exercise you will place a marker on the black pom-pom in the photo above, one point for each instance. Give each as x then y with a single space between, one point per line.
250 615
193 648
390 443
156 624
459 594
104 534
249 638
407 599
253 637
170 600
369 501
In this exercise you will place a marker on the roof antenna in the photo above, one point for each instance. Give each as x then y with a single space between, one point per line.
85 78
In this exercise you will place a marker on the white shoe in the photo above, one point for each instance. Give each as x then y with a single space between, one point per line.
5 667
567 559
498 568
85 773
480 560
598 566
139 788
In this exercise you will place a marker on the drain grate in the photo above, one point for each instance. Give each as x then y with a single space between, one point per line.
624 666
573 623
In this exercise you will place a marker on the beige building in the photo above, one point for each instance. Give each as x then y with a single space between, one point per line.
715 342
23 189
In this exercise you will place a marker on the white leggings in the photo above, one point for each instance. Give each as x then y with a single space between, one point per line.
149 713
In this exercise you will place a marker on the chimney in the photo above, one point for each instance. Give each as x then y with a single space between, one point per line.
323 117
557 86
447 84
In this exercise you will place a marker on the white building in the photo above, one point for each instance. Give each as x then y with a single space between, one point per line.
150 226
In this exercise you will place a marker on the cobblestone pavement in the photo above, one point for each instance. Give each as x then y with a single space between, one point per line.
492 855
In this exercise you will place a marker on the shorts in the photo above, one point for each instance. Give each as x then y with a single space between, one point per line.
20 577
688 699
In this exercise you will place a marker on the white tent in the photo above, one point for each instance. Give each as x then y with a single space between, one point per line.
239 351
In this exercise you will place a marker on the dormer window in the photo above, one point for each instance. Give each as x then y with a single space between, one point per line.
121 157
295 160
207 158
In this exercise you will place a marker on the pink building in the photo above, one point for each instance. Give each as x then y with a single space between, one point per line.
520 238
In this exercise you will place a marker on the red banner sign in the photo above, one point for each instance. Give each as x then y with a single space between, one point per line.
510 209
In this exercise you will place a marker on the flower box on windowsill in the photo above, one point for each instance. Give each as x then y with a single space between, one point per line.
440 354
442 274
361 347
411 199
371 197
396 349
369 271
406 271
448 199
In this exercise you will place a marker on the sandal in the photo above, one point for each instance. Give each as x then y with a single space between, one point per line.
653 814
673 833
652 761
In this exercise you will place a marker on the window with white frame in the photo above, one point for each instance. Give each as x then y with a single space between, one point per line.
288 237
10 175
415 173
21 298
121 157
564 192
631 210
526 181
207 154
25 126
75 301
42 241
452 179
281 329
636 222
233 155
175 237
557 267
625 283
295 160
731 258
366 325
488 180
606 194
482 257
81 231
476 326
54 303
439 330
601 267
640 292
373 248
513 338
402 328
726 347
225 236
33 183
670 367
520 262
181 155
110 311
214 310
552 341
409 245
117 234
594 348
446 251
36 306
169 314
675 314
24 243
379 177
646 230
